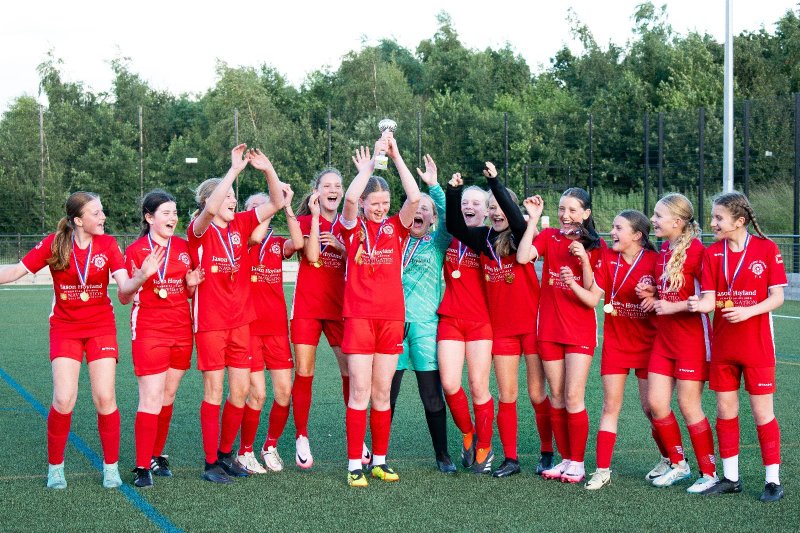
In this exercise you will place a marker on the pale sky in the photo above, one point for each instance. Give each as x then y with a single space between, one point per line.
173 45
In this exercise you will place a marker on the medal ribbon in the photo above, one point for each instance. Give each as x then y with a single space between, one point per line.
263 248
738 267
228 252
407 260
491 249
462 251
162 272
82 275
371 249
627 274
322 250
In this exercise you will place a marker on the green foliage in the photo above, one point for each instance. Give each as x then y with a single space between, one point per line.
450 101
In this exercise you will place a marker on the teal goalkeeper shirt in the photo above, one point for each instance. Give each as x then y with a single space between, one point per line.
423 285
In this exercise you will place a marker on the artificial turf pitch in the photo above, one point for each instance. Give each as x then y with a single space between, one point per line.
319 499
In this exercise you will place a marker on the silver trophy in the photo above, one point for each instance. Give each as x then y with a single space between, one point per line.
387 127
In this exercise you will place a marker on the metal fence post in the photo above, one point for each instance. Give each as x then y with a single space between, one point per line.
41 164
660 154
796 214
419 141
701 165
525 178
505 148
746 147
330 141
236 143
646 185
591 154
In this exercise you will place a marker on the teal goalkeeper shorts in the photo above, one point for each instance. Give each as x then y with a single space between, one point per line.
419 347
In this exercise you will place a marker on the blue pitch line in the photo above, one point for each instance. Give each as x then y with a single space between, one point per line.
136 500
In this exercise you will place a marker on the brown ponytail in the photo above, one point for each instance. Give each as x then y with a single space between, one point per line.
62 244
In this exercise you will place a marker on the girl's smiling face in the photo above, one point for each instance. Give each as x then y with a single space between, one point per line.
376 205
164 220
473 207
623 236
571 213
665 224
722 222
92 219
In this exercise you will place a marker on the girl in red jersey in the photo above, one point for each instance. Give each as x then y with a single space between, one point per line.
628 330
318 299
81 257
567 322
743 279
373 310
465 331
218 237
161 330
513 291
269 336
681 348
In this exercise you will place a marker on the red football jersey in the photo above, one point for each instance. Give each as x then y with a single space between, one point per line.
72 317
151 315
464 295
686 335
222 301
512 290
628 331
563 318
266 282
750 342
319 291
374 288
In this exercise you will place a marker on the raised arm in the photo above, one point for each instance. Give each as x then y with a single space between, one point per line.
441 237
511 210
365 164
296 241
311 249
410 186
239 159
526 252
474 238
261 162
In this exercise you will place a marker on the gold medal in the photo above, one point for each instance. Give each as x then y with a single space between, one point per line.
317 263
254 278
608 308
63 296
509 278
85 296
728 303
486 277
214 268
456 274
162 293
550 281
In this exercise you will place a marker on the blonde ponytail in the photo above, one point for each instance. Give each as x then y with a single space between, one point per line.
680 207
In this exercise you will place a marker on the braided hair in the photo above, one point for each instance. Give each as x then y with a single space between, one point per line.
738 206
679 207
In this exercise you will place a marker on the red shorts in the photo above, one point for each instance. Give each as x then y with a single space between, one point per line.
223 347
524 343
308 330
457 329
271 352
99 347
686 370
370 336
727 378
555 351
154 356
607 369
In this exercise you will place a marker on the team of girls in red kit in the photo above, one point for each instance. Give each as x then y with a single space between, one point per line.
221 291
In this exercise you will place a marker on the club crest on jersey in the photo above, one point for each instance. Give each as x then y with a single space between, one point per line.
388 229
758 267
184 258
99 261
275 249
236 239
648 280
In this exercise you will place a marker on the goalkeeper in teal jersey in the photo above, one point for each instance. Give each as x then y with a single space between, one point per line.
423 286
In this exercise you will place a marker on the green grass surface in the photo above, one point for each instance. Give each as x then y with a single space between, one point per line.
319 499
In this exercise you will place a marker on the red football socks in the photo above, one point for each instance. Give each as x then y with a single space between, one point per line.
728 437
459 408
278 416
380 424
703 444
605 448
484 419
507 427
558 420
231 423
543 425
250 419
769 437
145 430
57 434
356 425
301 403
578 427
108 427
670 434
209 426
164 420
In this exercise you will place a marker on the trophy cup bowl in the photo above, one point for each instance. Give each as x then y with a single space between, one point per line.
387 127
